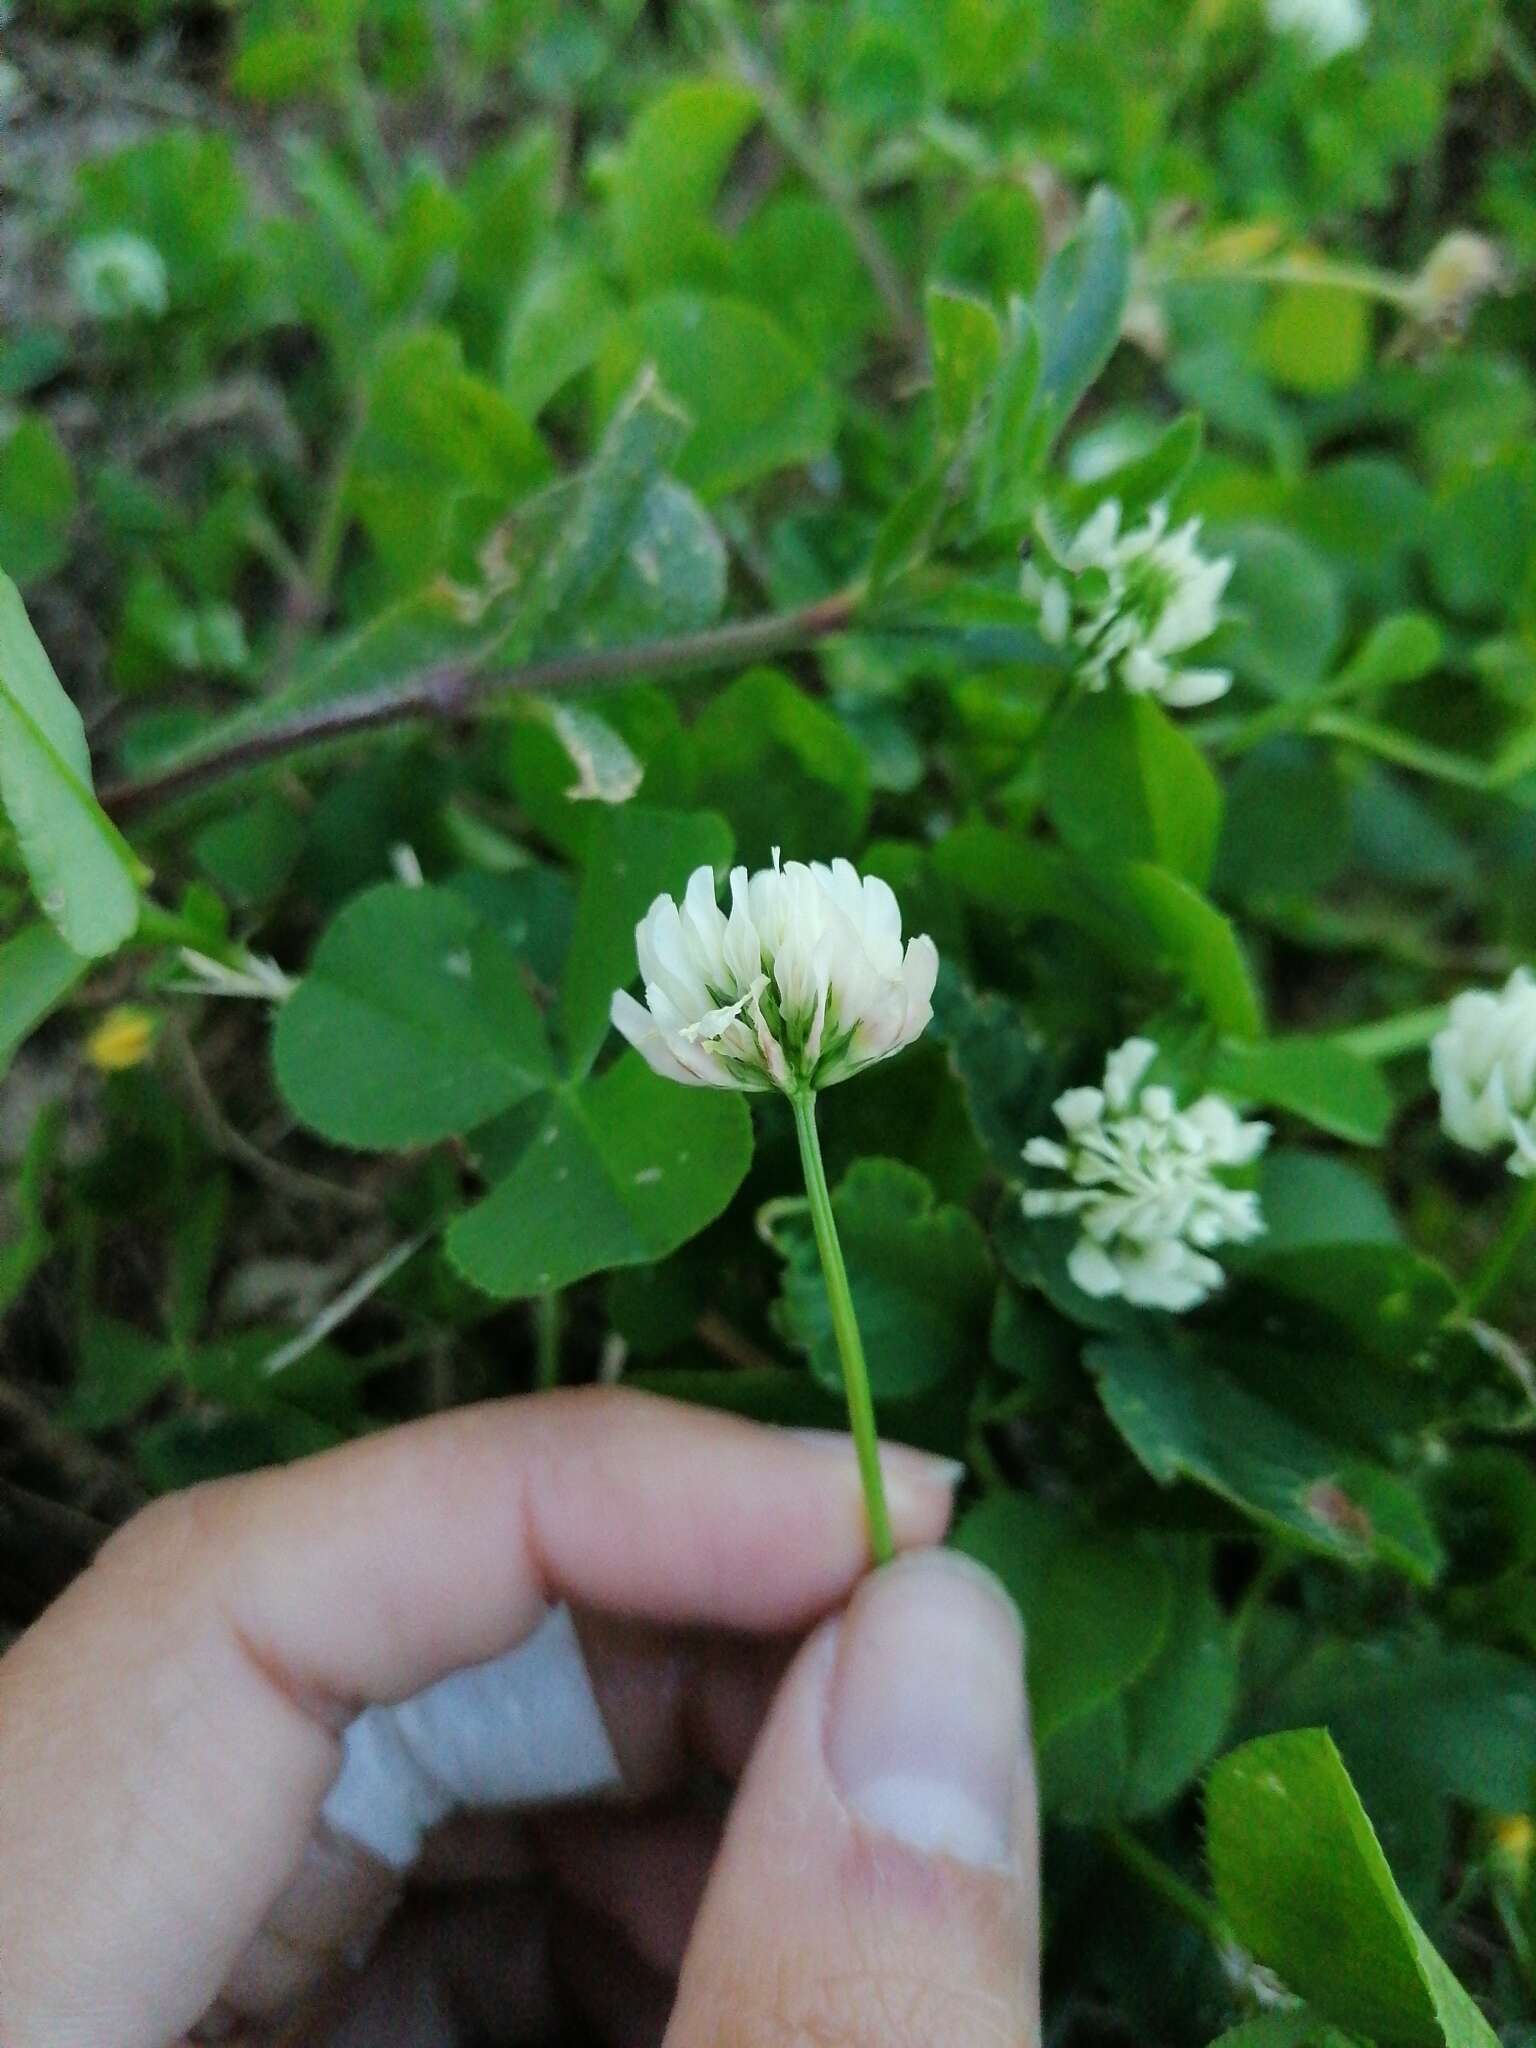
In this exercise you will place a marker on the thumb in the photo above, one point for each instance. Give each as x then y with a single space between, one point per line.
878 1885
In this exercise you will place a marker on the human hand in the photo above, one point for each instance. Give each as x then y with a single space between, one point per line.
170 1728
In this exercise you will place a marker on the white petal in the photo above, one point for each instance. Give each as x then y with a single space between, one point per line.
633 1021
1189 687
1094 1271
1124 1068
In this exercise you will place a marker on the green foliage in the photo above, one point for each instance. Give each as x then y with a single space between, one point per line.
920 1275
1285 1830
84 875
412 1024
472 466
621 1169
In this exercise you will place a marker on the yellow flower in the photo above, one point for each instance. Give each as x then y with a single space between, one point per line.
121 1040
1514 1837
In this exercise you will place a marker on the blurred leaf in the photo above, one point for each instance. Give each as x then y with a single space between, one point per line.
921 1280
412 1024
186 1450
1287 602
82 870
662 184
29 1240
757 402
966 345
783 769
1122 780
1096 1610
1284 1825
797 260
434 435
37 501
248 853
633 855
1080 306
606 771
1009 1074
1178 1710
1314 1078
619 1170
1286 829
1142 480
1188 935
37 971
1480 546
992 247
553 331
1315 338
1184 1419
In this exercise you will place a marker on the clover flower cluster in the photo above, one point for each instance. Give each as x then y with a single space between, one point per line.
1130 603
118 277
802 984
1327 28
1484 1068
1146 1185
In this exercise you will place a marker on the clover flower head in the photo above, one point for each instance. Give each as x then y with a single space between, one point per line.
801 984
1484 1066
1130 603
1458 272
1326 27
1146 1185
118 276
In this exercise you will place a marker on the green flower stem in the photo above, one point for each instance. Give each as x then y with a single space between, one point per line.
1488 1278
845 1326
158 926
1158 1877
547 1331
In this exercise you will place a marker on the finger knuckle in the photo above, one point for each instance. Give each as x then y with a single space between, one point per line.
169 1537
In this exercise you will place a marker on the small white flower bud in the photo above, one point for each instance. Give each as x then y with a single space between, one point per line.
1146 1186
1484 1066
119 276
1327 28
1462 268
804 983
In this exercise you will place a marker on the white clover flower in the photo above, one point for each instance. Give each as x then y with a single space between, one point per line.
1327 27
1461 269
1484 1066
1130 604
804 983
1146 1190
117 276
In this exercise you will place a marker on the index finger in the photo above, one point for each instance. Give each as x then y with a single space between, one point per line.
169 1729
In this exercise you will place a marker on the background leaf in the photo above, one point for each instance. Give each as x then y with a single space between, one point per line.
618 1170
1285 1830
412 1024
82 870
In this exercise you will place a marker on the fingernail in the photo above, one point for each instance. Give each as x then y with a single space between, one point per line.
925 1734
898 1462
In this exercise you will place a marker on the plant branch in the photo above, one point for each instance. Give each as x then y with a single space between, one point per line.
459 690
